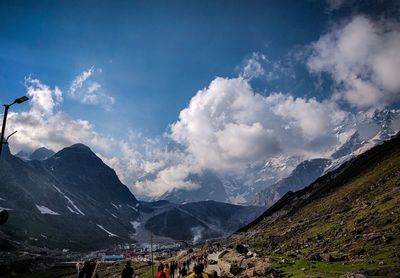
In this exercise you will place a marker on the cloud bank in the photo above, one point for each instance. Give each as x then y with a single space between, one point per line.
363 59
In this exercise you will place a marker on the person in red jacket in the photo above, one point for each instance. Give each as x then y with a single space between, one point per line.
160 272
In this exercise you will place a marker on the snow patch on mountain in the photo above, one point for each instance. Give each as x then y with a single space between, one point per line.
135 209
77 210
135 224
46 210
1 208
108 232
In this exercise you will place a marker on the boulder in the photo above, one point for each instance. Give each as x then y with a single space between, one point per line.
241 249
236 269
313 257
327 257
357 252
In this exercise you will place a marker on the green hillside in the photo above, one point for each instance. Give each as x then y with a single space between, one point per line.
346 221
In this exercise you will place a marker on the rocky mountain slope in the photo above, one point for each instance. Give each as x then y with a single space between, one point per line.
346 221
72 200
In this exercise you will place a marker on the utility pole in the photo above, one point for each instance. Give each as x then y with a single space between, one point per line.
3 212
151 252
3 127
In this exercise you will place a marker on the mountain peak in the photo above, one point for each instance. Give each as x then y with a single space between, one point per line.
80 146
41 154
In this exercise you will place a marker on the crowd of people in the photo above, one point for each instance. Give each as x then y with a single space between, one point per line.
192 267
182 270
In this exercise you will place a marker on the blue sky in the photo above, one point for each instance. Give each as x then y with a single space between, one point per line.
154 55
230 82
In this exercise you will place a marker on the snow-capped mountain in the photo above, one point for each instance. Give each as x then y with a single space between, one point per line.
242 188
363 132
358 133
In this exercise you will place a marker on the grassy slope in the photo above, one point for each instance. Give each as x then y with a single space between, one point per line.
357 223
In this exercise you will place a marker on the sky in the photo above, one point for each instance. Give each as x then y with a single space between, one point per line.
161 89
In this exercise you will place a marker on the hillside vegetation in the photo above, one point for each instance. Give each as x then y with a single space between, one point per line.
346 221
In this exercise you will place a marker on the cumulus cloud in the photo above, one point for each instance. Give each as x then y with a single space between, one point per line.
228 125
84 89
174 176
43 98
363 59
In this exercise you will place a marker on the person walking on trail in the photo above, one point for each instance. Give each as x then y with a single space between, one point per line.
87 270
172 269
160 272
166 271
128 271
197 273
183 271
78 268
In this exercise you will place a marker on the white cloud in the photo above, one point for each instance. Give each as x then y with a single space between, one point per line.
79 80
253 66
44 125
363 59
228 125
84 89
43 99
174 176
259 66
